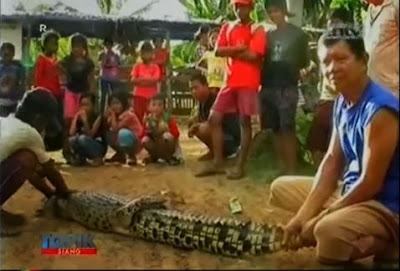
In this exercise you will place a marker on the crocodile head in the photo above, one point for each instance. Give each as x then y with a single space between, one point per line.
55 207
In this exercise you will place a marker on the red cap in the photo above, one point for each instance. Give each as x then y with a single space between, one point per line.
242 2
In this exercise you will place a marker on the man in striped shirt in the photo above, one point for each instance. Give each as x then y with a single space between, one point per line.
23 155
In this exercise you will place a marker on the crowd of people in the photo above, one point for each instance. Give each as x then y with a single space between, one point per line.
349 210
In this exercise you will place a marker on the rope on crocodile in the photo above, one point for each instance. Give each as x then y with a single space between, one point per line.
148 218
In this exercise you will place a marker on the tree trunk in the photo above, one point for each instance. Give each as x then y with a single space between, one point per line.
296 7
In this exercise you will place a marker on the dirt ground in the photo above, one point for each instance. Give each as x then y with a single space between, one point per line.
208 195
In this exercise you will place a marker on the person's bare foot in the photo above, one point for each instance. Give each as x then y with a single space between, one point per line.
206 157
235 173
210 169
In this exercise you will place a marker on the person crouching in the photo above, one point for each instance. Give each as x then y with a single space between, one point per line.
124 129
160 133
85 134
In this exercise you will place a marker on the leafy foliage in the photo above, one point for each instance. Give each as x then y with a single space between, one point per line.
183 54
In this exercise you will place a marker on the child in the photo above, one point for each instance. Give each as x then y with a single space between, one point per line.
199 126
12 80
160 133
85 133
244 45
78 70
161 58
47 76
146 78
109 63
124 129
214 67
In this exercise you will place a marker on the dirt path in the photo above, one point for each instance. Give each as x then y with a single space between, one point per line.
209 195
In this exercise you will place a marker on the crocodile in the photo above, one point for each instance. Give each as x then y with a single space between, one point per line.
149 218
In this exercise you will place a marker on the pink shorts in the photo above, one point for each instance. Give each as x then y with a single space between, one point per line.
71 104
235 100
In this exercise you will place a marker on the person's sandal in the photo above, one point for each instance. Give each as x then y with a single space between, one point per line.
209 170
116 158
131 160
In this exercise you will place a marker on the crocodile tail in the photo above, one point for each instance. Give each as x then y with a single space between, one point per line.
189 231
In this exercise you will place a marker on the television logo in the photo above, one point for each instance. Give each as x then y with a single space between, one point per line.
68 244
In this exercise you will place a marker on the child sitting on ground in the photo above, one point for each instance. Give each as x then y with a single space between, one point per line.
85 134
124 129
160 134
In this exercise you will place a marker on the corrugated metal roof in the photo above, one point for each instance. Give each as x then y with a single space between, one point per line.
51 8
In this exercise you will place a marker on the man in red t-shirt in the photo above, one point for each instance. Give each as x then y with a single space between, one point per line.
244 44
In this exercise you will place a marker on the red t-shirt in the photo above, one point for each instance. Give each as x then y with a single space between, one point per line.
161 58
47 75
243 74
148 71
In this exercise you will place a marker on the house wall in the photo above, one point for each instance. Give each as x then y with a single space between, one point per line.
12 33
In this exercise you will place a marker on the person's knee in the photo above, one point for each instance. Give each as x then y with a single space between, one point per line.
278 190
126 139
27 159
215 119
82 140
332 248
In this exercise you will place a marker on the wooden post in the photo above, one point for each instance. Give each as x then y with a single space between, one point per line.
296 7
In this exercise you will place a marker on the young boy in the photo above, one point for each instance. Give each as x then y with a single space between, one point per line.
214 67
160 133
109 63
244 45
161 58
12 80
146 78
288 54
85 133
199 126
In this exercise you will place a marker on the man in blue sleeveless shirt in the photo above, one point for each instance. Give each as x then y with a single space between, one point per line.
358 216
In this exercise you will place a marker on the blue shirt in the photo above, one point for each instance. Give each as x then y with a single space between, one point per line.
351 123
14 73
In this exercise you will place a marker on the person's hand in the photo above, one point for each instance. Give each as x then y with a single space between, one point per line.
193 129
292 234
83 115
65 193
304 73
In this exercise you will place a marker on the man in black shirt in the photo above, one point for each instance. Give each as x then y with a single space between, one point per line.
199 127
287 54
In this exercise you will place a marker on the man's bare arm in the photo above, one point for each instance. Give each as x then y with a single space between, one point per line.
326 180
381 140
229 51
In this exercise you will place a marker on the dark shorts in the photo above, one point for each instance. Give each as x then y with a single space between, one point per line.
321 127
7 169
278 108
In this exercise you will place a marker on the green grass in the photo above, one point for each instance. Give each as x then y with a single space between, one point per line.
263 165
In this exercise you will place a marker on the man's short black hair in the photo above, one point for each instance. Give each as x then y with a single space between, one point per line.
146 47
200 78
49 35
7 46
350 35
341 14
39 102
